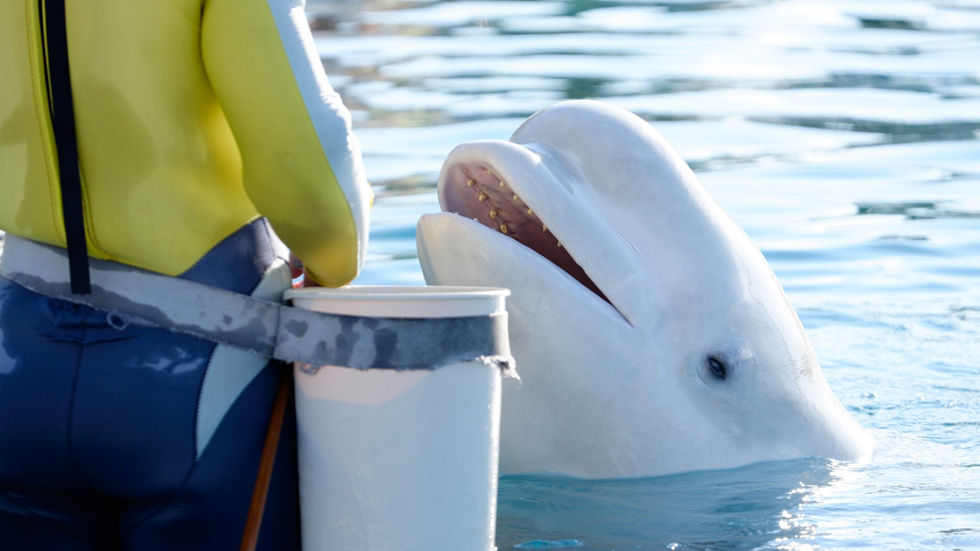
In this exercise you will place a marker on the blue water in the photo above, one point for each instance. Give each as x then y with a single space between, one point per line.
841 134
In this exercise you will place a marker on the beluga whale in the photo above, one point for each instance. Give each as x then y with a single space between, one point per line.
651 335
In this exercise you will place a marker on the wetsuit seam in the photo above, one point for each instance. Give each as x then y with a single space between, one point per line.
71 411
96 248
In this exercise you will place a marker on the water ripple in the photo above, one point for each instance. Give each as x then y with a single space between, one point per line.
841 134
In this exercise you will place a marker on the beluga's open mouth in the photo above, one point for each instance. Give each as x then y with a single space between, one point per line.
475 190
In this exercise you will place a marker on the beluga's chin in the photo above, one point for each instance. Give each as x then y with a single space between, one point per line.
650 334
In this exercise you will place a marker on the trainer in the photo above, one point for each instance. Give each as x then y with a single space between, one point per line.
205 129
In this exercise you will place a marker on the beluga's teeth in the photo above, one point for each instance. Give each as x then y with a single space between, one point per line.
493 214
515 197
502 184
470 182
482 197
503 228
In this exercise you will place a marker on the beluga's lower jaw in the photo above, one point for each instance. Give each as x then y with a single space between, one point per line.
651 335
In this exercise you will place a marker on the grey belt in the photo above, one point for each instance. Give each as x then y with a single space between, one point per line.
262 327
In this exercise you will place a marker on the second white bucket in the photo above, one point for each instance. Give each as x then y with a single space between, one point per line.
399 459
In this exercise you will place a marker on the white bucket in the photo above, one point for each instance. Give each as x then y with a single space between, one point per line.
399 460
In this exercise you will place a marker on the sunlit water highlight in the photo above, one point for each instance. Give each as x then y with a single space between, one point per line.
842 135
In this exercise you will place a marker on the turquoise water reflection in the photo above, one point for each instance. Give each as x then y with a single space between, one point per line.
841 134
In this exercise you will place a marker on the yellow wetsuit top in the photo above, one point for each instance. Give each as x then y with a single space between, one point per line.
194 117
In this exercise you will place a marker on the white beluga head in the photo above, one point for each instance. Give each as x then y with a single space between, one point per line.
650 334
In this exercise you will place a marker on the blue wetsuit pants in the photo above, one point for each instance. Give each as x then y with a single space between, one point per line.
98 427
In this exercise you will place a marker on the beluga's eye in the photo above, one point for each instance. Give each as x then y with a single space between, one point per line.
716 367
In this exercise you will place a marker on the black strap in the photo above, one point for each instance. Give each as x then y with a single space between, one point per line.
63 121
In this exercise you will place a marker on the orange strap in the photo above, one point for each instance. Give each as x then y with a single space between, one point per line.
253 522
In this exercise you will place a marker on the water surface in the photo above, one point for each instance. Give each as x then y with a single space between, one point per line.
841 134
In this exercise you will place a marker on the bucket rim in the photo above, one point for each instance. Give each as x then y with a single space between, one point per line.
397 292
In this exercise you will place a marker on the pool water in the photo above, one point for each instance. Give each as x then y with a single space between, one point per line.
843 135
